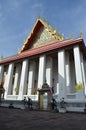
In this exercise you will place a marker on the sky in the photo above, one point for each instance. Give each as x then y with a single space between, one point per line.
17 18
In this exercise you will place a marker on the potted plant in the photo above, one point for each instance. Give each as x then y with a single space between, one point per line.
16 90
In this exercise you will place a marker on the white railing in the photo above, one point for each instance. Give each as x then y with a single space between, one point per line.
12 97
15 97
33 97
71 96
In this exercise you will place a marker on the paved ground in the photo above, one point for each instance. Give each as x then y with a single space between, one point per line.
16 119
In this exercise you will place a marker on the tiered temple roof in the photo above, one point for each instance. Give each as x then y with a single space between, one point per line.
42 39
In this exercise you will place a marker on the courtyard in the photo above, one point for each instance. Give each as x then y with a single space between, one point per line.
17 119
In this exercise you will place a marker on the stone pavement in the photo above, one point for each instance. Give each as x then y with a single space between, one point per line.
16 119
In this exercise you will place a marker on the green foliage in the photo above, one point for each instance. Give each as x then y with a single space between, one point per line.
16 89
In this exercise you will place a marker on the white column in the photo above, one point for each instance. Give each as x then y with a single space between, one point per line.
78 70
83 72
67 72
49 64
17 78
31 78
61 74
41 74
23 79
1 73
8 81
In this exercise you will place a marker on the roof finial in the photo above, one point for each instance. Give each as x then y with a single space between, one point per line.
19 50
25 41
81 34
62 37
38 16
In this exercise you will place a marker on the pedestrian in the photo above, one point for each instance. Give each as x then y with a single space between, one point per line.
25 101
29 102
53 103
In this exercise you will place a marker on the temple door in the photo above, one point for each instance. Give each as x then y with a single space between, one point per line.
41 101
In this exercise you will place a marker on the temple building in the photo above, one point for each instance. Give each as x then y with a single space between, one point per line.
47 65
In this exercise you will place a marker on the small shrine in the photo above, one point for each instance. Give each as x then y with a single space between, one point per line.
45 96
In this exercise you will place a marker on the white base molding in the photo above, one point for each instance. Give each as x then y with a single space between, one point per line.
62 110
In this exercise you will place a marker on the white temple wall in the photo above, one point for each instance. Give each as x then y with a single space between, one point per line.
17 79
36 72
55 75
72 75
31 77
67 65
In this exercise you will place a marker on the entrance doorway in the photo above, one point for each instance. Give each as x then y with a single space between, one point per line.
45 97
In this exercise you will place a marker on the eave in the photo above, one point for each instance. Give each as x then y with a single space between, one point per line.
55 45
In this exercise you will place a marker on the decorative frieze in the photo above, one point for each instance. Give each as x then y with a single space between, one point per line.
43 37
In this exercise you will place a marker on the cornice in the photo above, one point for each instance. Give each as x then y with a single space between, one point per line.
43 49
